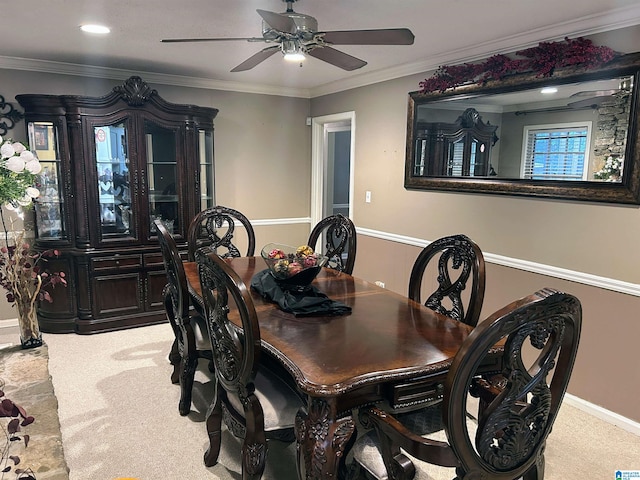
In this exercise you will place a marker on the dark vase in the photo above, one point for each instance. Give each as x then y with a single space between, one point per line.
31 342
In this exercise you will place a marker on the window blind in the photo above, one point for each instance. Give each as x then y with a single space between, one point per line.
556 153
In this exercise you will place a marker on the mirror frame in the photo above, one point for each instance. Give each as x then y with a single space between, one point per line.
627 191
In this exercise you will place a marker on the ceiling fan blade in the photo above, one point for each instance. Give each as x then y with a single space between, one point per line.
337 58
593 102
254 60
282 23
388 36
596 93
185 40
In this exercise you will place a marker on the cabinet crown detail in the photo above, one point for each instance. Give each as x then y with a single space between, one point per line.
135 91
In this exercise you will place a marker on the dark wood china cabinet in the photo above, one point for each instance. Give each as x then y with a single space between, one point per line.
462 148
111 165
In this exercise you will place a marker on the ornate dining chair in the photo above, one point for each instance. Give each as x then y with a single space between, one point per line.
460 262
516 404
255 402
216 227
191 340
338 241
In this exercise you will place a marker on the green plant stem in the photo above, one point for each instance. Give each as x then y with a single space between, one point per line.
4 227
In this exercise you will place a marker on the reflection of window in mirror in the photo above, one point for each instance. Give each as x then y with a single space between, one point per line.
556 152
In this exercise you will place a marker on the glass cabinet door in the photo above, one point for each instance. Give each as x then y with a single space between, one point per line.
161 168
49 206
114 180
205 149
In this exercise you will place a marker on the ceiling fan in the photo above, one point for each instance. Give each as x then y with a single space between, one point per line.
297 35
594 98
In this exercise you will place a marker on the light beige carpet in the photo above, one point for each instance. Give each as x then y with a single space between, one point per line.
119 418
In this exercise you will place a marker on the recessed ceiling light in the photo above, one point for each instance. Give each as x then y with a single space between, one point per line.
93 28
548 90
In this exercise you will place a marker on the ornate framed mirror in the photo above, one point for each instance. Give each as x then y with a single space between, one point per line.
579 142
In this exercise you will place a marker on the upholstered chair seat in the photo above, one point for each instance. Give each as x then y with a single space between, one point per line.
279 401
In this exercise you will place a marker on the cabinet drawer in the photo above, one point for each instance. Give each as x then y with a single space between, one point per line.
153 260
116 262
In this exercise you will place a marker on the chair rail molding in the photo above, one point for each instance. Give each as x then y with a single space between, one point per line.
526 265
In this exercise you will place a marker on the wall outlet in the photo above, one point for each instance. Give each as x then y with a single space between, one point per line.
379 283
367 196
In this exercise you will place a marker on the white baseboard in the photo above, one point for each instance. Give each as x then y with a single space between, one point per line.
9 323
603 414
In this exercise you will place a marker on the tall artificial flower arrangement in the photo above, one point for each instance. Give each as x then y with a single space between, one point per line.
21 272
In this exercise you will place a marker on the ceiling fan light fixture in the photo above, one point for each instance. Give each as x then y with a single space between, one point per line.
294 57
293 51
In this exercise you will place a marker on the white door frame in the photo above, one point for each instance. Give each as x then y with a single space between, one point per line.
318 162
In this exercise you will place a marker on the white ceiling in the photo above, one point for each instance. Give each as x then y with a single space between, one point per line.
44 36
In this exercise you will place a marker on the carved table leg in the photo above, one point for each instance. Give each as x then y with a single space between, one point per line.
321 440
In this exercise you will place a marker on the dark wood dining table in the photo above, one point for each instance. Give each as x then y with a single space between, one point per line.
389 350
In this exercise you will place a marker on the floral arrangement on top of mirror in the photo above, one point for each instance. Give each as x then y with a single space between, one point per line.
543 60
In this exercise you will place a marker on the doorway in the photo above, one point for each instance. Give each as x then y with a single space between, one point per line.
332 170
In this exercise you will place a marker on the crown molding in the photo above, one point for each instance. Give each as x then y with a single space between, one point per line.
579 27
62 68
583 26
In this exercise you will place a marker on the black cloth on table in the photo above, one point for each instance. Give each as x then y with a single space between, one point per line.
305 302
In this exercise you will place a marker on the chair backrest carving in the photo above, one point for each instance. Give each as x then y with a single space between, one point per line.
184 351
176 293
206 227
236 358
518 406
339 241
460 261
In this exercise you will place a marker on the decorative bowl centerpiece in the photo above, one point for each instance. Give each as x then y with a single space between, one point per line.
293 266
